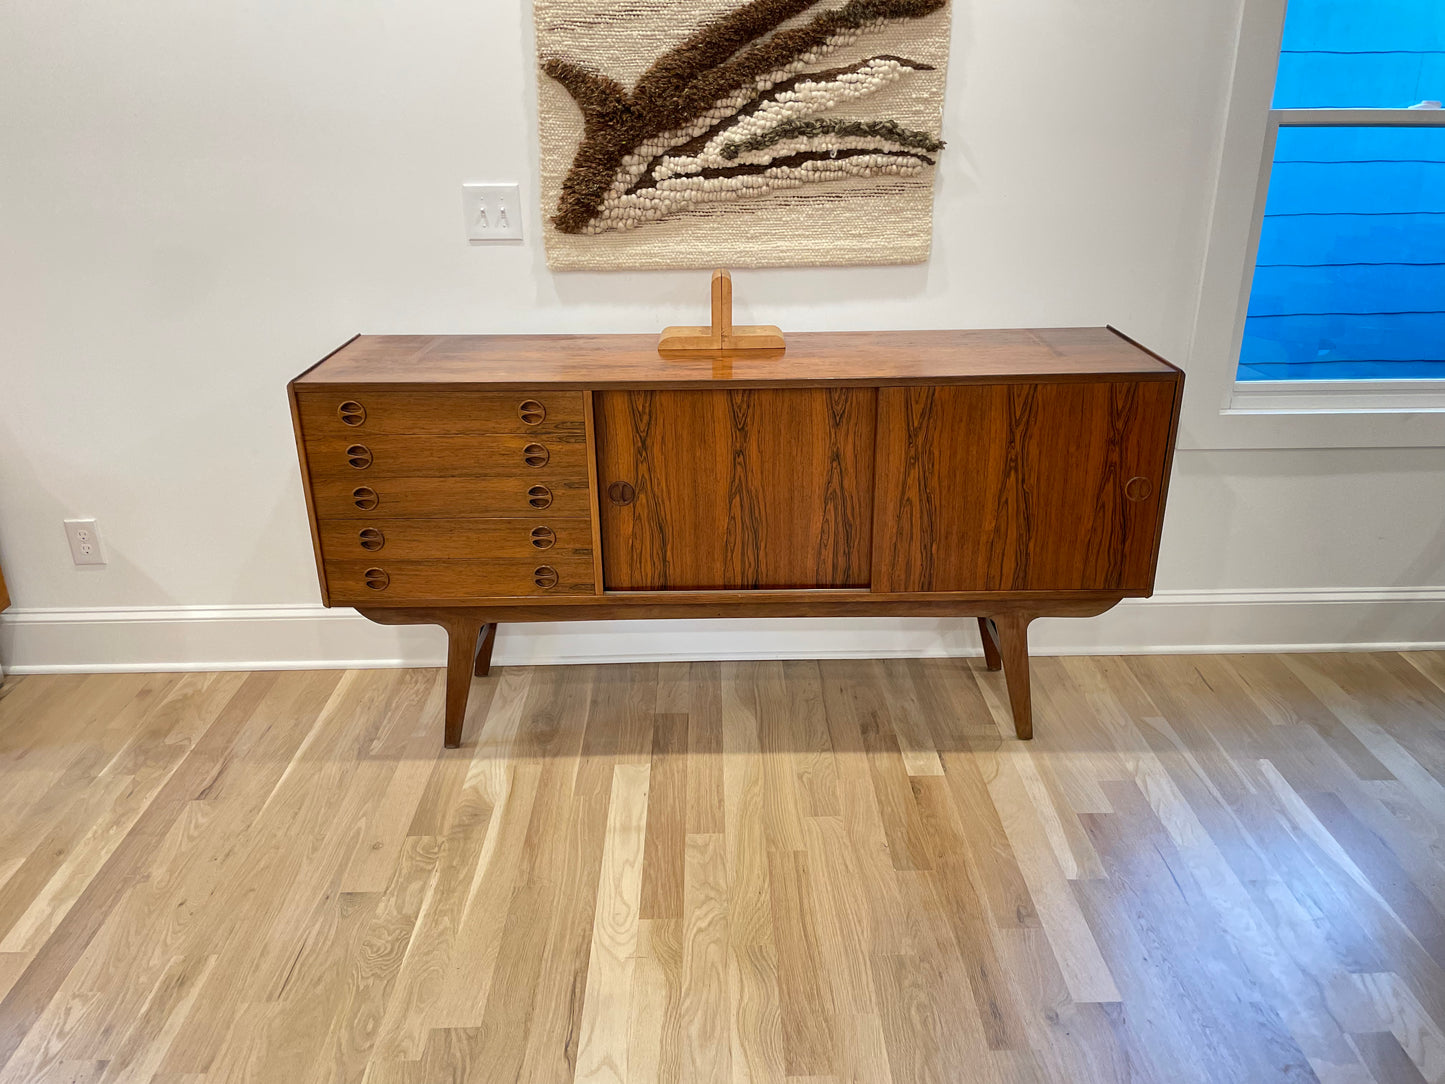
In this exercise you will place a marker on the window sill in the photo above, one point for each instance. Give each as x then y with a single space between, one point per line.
1337 397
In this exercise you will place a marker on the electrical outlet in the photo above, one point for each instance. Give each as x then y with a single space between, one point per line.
493 211
84 542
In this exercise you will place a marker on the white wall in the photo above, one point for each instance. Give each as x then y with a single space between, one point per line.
199 200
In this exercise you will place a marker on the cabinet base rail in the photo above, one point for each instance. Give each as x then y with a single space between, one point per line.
472 632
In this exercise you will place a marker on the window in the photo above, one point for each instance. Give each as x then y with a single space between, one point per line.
1349 268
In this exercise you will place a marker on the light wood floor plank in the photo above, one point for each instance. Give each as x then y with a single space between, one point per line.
1203 870
602 1045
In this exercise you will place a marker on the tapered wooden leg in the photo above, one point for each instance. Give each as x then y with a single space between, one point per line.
1013 643
484 650
462 633
986 633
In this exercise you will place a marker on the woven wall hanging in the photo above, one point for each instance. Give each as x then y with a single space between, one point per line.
776 133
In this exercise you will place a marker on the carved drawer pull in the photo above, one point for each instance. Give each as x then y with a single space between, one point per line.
352 413
544 538
1138 488
535 455
377 579
539 497
532 412
365 498
620 493
545 577
371 539
359 456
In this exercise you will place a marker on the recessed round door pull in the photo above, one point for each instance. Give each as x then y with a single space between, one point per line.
377 579
543 538
539 497
365 498
371 539
545 577
621 493
352 413
359 456
1138 488
532 412
535 455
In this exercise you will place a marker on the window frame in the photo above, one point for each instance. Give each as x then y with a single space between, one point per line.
1223 411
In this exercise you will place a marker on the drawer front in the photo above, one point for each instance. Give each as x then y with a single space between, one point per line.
538 539
538 456
378 581
367 410
358 498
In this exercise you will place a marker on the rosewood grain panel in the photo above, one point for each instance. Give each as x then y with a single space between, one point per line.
532 362
380 582
1021 487
533 539
452 498
521 456
736 489
348 410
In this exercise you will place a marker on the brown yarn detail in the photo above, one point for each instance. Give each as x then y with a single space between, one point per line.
596 95
889 131
697 144
687 81
794 160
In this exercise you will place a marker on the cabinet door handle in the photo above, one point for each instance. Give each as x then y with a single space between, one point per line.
539 497
377 579
532 412
359 456
371 539
535 455
352 413
543 538
365 498
545 577
1138 488
621 493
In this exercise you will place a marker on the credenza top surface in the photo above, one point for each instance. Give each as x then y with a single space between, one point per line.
811 358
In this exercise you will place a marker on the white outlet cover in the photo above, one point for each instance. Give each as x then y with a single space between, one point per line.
493 212
84 539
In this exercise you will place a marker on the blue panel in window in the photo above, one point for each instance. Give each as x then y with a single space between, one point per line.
1312 188
1361 53
1350 273
1358 80
1360 144
1362 26
1349 239
1375 288
1346 347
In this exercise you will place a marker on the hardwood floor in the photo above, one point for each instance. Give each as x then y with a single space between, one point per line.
1203 869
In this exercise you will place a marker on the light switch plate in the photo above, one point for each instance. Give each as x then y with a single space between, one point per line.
493 211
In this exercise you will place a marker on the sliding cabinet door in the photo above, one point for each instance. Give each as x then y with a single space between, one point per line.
1021 487
709 490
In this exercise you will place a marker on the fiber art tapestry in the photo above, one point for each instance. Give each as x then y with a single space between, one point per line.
707 133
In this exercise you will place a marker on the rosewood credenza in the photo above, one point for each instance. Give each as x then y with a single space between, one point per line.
469 480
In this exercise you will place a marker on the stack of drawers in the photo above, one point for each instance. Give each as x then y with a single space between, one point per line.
447 495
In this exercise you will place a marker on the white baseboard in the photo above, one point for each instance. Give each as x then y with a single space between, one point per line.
37 641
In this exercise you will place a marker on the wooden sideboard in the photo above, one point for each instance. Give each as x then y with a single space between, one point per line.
469 480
